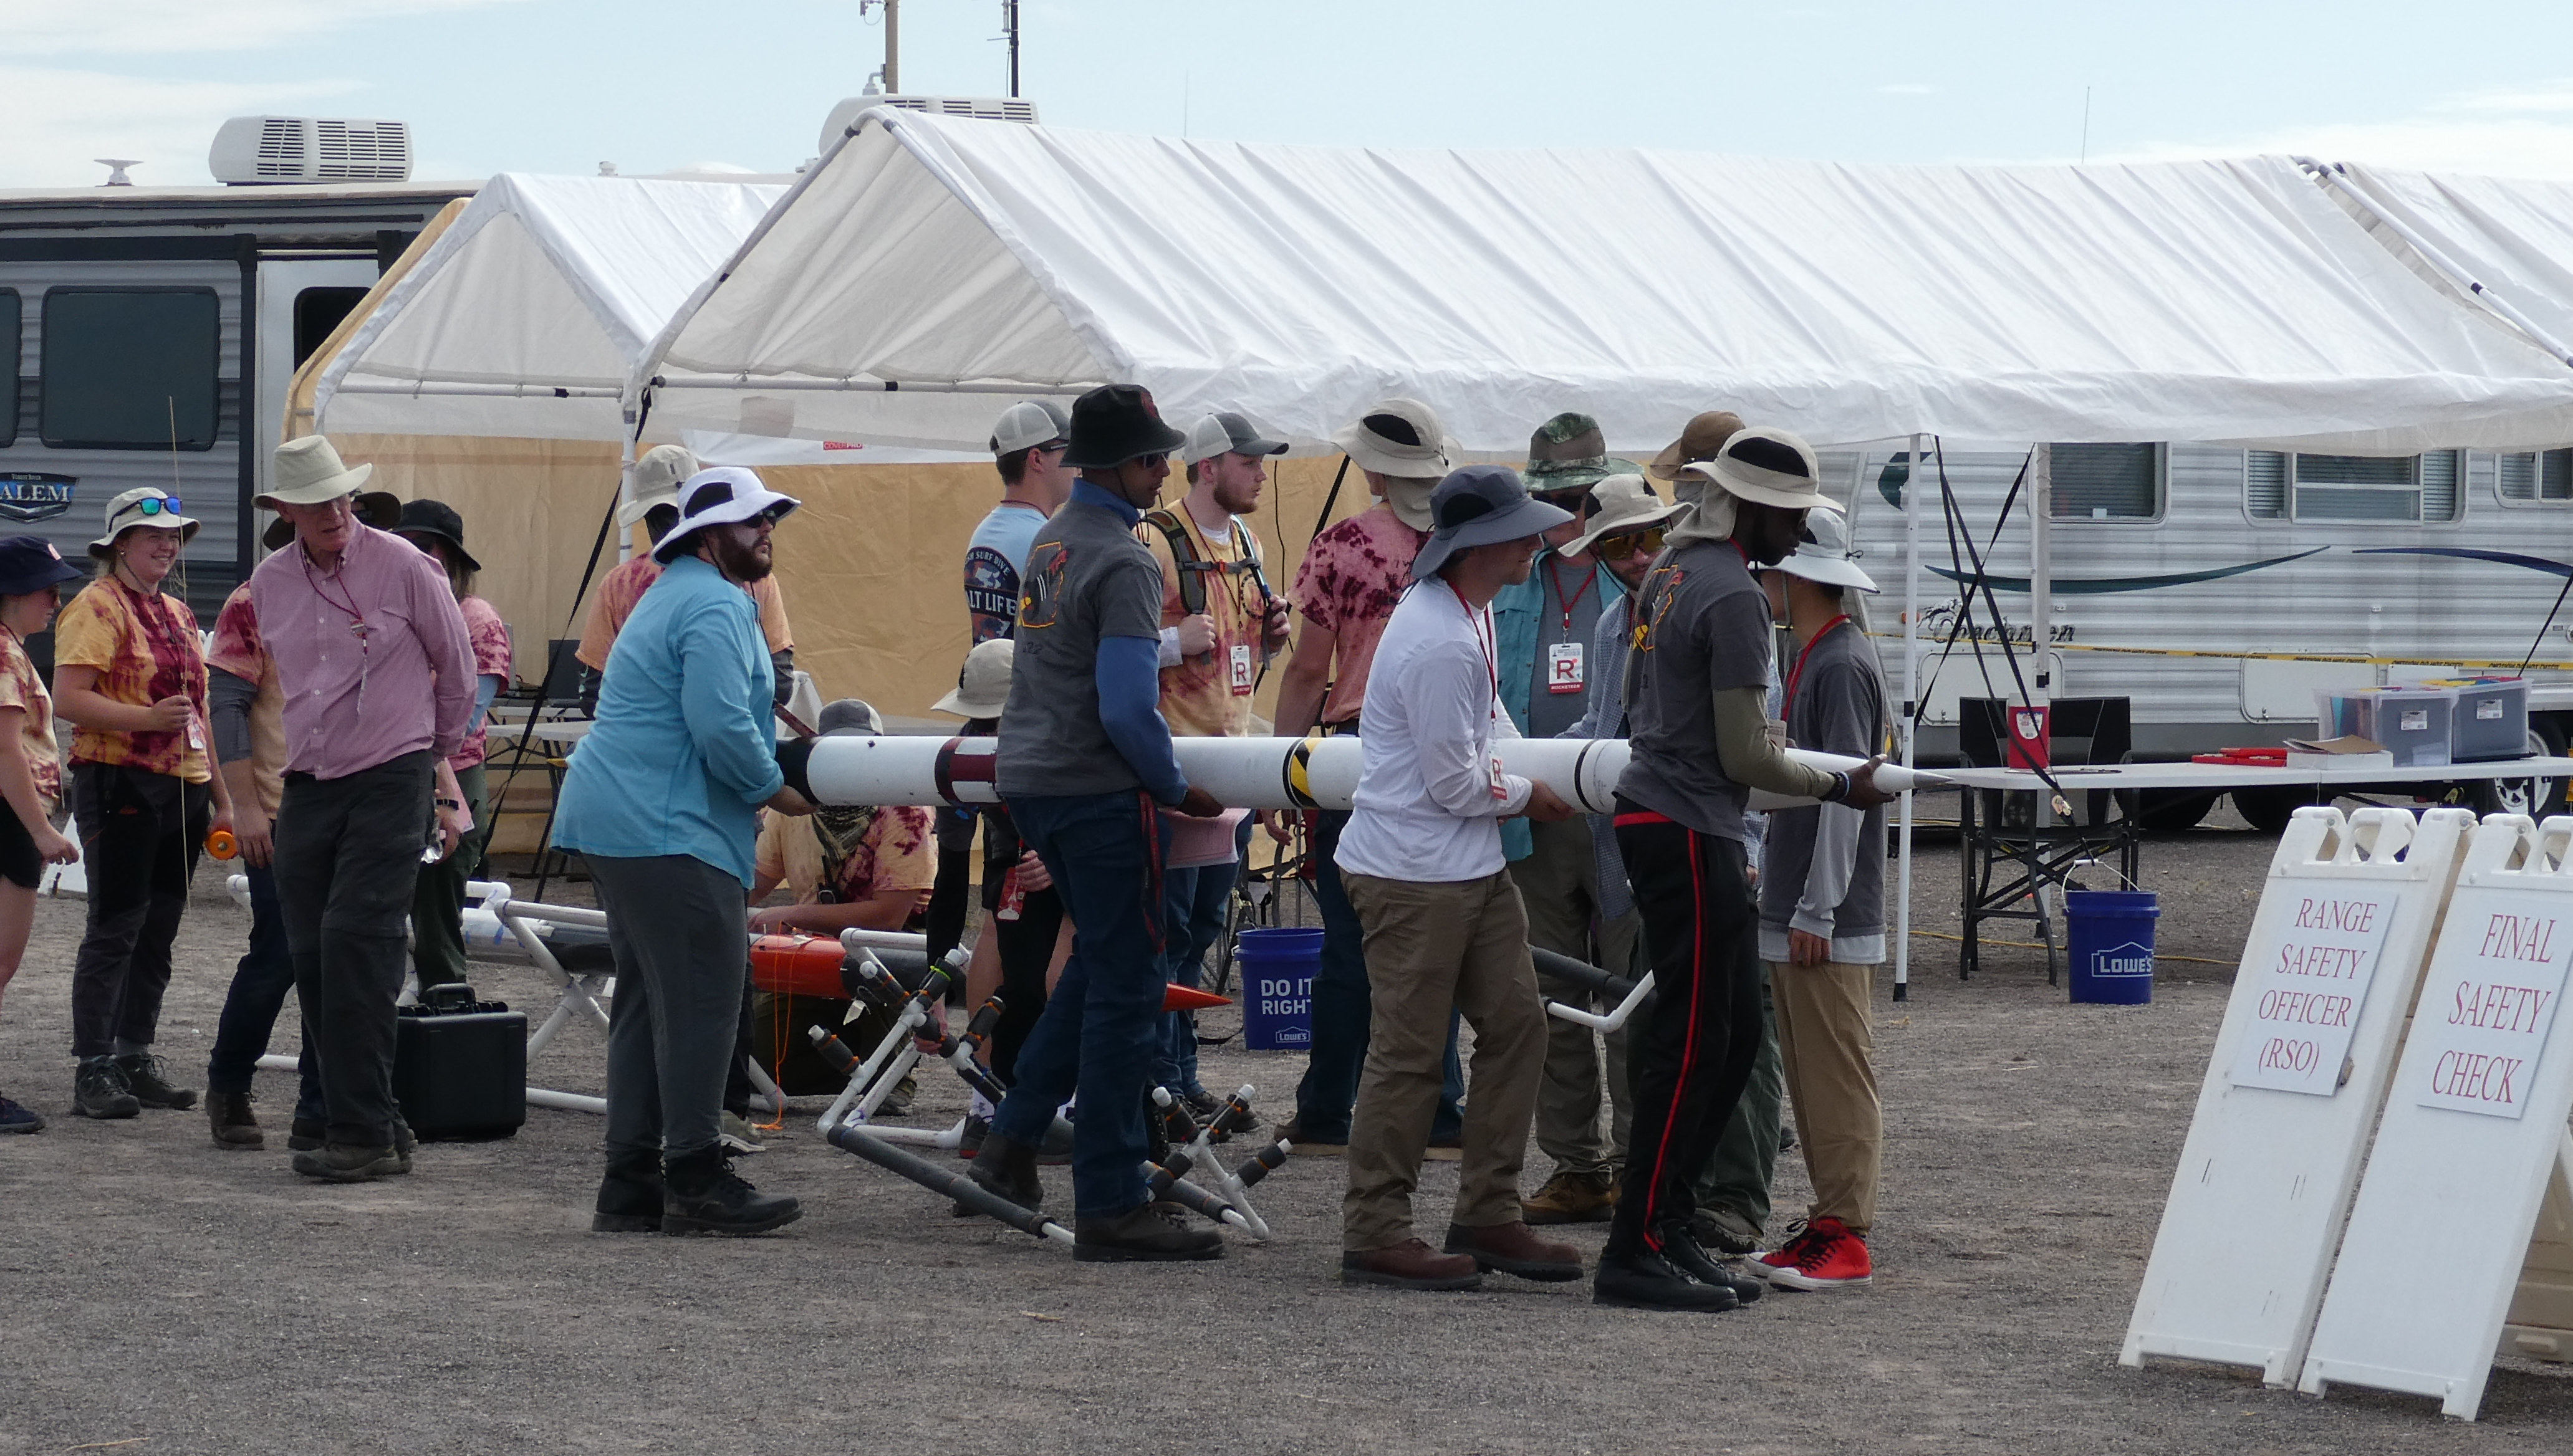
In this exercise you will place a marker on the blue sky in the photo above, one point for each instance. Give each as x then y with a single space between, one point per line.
654 85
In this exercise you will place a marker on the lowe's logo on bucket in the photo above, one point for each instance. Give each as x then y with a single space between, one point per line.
2131 958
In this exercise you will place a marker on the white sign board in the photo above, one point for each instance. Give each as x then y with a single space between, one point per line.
2307 978
2468 1139
2485 1012
2273 1153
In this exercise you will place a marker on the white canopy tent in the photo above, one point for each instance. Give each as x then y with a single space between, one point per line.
528 315
929 261
927 264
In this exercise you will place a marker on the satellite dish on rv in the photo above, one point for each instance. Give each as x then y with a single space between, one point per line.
116 170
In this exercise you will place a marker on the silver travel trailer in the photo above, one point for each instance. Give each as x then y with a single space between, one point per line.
151 333
2226 581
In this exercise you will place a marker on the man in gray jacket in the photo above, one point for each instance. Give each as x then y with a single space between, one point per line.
1822 919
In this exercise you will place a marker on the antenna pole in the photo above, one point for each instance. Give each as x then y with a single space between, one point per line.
893 48
1009 28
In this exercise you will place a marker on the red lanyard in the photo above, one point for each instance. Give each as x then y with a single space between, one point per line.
1482 624
1555 574
1798 673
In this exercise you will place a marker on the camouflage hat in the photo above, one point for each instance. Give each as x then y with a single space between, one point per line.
1567 452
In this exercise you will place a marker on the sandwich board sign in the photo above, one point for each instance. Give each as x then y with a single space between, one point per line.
2473 1137
2300 1068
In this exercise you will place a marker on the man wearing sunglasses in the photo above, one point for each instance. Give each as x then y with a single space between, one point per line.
1544 627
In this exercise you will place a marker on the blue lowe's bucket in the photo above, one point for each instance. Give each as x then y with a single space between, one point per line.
2110 936
1278 969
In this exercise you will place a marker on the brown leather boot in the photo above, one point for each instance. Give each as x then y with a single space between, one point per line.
1513 1249
1573 1197
233 1124
1411 1264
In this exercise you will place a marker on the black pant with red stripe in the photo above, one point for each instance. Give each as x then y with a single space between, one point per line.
1694 1059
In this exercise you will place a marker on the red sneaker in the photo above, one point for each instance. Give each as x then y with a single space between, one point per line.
1826 1255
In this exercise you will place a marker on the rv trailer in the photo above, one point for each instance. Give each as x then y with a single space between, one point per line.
2219 590
147 336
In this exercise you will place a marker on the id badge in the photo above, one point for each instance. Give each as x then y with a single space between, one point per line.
195 735
1014 900
1564 667
1501 785
1242 669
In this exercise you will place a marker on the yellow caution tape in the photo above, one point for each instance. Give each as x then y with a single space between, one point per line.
2511 664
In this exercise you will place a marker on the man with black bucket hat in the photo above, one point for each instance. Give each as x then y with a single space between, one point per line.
1085 757
1698 731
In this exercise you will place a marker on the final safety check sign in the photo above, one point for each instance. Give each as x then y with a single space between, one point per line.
2310 980
2487 1007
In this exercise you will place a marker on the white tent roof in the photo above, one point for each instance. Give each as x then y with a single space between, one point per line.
2189 300
546 283
2513 238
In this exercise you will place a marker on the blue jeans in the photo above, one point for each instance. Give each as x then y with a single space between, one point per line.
1343 1004
1192 914
1102 1024
261 982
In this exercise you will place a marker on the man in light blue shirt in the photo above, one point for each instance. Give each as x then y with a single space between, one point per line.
663 803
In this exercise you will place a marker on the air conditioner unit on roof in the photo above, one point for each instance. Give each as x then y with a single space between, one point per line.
990 108
253 150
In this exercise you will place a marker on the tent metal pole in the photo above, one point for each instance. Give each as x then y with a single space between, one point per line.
2040 572
2341 181
527 390
864 386
1908 725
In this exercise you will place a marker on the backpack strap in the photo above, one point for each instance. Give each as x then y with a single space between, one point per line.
1192 569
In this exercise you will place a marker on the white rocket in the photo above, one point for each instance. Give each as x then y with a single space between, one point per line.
1254 773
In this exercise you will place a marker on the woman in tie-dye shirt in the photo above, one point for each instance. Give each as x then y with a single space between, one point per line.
31 777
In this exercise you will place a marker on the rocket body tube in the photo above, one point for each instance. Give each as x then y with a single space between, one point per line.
1254 773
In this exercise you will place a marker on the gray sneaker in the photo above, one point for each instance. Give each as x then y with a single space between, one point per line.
1725 1232
98 1090
343 1163
738 1136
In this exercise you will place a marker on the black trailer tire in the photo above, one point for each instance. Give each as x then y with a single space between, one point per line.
2170 811
2268 810
2536 798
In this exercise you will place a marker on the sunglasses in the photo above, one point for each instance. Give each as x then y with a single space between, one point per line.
1627 543
157 505
1155 459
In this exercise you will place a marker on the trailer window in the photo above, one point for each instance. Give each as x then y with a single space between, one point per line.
2396 489
130 368
2536 478
2105 482
9 307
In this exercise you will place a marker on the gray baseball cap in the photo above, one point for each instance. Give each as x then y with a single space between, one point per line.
1029 423
1227 434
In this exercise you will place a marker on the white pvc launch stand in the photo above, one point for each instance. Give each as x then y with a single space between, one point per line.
2266 1176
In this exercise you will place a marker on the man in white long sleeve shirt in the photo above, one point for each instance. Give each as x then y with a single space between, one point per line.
1443 923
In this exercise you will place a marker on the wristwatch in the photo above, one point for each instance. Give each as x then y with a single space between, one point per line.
1840 787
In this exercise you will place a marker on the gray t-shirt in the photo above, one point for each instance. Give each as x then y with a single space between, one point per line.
1087 577
1839 707
1706 629
1550 712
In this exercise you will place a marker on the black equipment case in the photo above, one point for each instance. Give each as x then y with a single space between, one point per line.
460 1066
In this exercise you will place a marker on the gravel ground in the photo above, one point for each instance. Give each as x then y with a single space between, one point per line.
158 1295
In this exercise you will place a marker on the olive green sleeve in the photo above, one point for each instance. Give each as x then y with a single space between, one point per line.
1743 749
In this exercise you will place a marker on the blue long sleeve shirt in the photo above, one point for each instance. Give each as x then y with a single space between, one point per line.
684 751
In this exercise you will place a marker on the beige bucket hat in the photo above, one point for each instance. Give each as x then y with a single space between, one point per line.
1766 465
657 473
1400 438
307 472
143 506
983 688
1626 503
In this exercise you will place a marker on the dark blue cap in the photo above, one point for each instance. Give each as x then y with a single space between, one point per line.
30 563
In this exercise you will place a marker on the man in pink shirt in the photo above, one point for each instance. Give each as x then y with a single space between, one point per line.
1344 592
378 673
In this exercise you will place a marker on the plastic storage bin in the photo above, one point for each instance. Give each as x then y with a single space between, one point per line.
2413 723
2491 719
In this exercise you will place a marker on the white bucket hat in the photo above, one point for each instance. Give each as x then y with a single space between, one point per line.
1400 438
1626 503
307 472
983 688
143 506
657 473
1825 555
724 495
1769 466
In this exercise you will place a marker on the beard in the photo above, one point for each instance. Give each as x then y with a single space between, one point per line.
737 558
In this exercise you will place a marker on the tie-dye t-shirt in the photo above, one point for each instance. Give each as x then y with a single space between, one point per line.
236 648
1347 586
488 636
145 649
21 688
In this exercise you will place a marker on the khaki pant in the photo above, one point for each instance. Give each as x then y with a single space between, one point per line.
1824 1040
1431 948
1559 884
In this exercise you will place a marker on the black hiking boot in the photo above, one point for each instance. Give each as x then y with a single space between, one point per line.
631 1197
1152 1233
233 1124
1644 1279
702 1194
1681 1248
1007 1169
98 1090
143 1079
